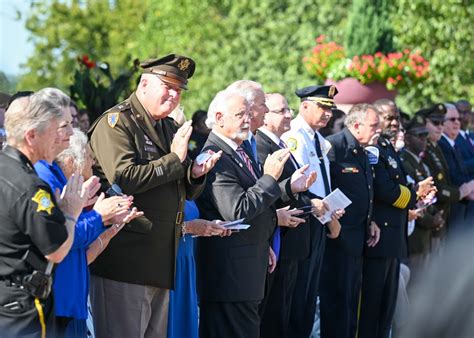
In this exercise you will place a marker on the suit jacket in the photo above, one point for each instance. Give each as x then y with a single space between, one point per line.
295 242
130 152
352 174
392 199
457 169
420 240
467 153
234 268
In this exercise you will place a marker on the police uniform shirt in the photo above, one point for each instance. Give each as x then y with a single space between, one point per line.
300 140
29 216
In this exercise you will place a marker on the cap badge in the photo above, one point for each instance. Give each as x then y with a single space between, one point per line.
184 64
332 91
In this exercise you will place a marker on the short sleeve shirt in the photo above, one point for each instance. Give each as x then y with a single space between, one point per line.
29 215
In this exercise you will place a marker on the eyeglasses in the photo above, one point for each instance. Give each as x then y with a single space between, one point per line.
453 119
282 111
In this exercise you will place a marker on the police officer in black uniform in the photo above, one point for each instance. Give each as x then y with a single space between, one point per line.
34 231
393 197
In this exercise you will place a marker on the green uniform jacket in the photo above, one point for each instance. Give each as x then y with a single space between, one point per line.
447 192
129 152
420 240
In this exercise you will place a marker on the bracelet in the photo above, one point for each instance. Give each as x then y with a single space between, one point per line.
70 218
101 243
183 229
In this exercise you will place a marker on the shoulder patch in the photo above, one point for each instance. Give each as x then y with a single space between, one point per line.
292 144
112 119
43 199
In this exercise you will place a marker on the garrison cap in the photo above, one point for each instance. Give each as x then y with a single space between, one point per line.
173 69
323 95
416 126
434 113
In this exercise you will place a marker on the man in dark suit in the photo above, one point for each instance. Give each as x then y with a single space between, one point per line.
462 212
342 265
392 200
295 232
465 138
231 271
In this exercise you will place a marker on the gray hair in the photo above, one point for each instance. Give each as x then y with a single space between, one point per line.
220 103
246 88
41 108
358 113
450 105
77 150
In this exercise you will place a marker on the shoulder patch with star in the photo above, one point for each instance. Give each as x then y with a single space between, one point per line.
43 199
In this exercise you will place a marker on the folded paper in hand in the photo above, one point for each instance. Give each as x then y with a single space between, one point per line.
335 200
236 225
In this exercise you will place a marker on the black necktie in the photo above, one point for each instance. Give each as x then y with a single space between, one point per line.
322 165
161 133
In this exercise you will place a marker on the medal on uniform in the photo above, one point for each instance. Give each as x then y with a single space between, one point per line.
392 162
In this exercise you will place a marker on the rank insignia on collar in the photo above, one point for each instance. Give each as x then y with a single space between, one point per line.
112 119
440 176
43 199
392 162
292 144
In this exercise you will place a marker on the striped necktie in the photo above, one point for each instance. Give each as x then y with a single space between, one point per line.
247 161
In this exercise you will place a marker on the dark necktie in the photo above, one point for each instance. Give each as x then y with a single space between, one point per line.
322 165
161 133
246 160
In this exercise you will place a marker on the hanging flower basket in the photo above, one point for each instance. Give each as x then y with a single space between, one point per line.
351 91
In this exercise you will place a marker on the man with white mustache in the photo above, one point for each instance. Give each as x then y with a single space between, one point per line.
231 271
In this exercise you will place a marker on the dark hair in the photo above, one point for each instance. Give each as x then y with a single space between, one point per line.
19 94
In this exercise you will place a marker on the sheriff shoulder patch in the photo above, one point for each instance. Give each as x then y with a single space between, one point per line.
112 119
43 199
292 144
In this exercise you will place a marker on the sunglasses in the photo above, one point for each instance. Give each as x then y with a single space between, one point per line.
453 119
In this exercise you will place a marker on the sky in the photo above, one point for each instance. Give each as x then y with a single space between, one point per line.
14 45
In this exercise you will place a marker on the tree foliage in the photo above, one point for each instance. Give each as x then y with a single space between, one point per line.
369 28
248 39
442 30
61 31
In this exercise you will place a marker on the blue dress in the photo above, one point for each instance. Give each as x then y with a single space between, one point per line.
71 276
183 308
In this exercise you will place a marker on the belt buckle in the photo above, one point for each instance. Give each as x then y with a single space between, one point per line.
179 217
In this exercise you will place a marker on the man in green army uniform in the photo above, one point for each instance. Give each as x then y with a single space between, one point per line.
433 157
419 243
139 148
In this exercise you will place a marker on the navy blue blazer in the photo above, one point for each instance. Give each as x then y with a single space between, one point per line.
467 153
457 169
352 174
